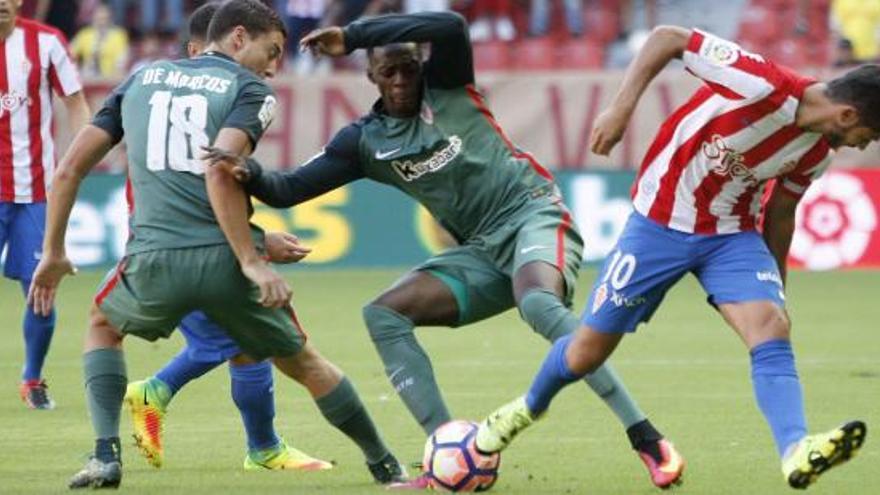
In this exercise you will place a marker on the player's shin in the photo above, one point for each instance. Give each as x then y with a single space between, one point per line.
553 375
105 380
38 332
252 394
407 366
547 316
778 392
183 369
342 407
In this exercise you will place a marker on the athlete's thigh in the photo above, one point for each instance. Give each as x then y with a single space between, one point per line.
231 301
735 268
479 288
25 240
144 294
647 260
548 236
206 341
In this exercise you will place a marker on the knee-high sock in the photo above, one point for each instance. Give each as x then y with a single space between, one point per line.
546 314
778 392
343 409
105 380
407 366
551 378
253 395
182 369
37 332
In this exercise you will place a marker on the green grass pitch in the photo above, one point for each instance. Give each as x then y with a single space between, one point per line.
688 371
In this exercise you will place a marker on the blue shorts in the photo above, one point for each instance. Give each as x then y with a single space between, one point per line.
21 232
206 342
650 258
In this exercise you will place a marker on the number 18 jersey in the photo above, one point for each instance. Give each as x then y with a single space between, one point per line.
167 111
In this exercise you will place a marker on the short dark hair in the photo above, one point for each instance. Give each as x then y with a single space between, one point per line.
199 21
254 16
859 88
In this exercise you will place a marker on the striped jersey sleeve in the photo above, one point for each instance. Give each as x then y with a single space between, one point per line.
62 70
729 70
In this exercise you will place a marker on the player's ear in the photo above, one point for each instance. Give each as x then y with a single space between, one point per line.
848 116
370 75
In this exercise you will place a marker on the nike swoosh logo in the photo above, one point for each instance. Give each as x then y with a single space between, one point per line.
394 373
381 155
146 403
529 249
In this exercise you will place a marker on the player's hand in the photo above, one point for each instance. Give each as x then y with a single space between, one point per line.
231 163
47 276
274 291
328 41
284 247
608 130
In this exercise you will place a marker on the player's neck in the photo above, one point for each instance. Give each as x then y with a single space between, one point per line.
813 108
6 29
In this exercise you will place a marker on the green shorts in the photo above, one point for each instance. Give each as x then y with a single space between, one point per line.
479 272
148 294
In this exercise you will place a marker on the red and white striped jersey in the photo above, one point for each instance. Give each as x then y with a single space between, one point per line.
32 59
708 166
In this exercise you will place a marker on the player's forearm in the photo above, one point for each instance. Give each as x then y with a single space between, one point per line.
229 203
78 112
663 45
283 189
88 148
421 27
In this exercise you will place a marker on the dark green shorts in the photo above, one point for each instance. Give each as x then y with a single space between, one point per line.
479 273
148 294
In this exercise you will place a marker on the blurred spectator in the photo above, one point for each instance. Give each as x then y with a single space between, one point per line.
412 6
341 12
59 13
301 17
149 51
539 20
844 55
492 19
859 22
101 48
150 10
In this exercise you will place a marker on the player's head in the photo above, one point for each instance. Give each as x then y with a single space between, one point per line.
8 10
249 32
855 119
397 71
197 29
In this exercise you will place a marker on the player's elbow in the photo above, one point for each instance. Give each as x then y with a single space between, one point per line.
674 38
454 23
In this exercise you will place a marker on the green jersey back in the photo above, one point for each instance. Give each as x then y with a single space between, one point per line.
167 112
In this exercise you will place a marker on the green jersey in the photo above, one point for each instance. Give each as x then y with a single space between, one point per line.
453 158
167 111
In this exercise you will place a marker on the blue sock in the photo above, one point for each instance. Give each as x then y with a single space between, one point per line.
182 369
38 332
778 392
252 392
551 378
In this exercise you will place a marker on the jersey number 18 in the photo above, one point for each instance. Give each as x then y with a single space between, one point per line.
176 132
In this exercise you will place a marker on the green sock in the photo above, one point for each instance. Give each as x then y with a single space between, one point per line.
546 314
407 366
343 409
105 381
160 391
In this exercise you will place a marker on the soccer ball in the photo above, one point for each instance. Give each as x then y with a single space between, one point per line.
452 462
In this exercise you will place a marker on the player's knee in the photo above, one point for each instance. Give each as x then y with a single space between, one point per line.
546 315
384 323
775 326
586 353
101 333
